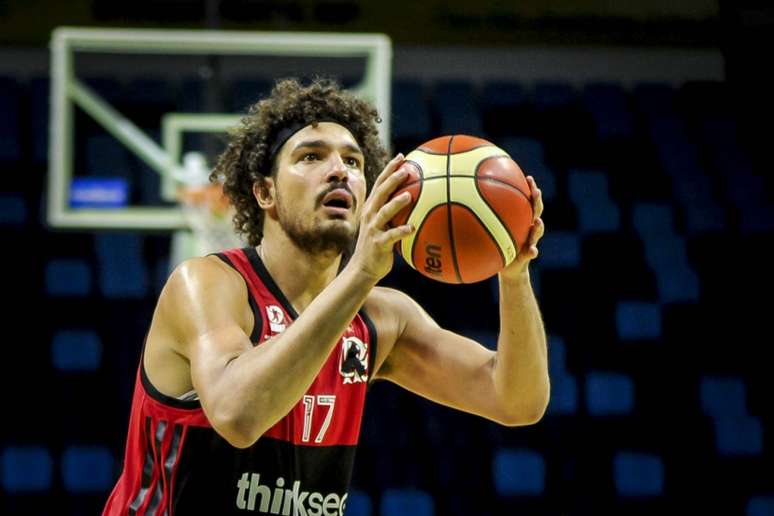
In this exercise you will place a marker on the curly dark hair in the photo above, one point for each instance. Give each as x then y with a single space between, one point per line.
247 157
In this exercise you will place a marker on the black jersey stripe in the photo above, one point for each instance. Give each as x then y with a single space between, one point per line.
158 492
147 471
255 335
169 464
372 338
268 281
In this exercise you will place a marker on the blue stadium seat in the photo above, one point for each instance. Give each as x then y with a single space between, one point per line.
76 350
399 502
550 94
39 108
87 469
677 284
760 506
738 435
411 119
704 217
122 270
608 105
564 395
560 249
638 474
10 146
518 472
13 210
653 220
638 320
455 106
26 469
529 154
589 192
609 394
358 504
557 354
723 396
68 277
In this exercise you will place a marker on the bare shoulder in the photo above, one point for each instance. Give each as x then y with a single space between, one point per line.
203 291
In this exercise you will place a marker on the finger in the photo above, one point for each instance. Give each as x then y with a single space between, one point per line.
389 237
537 197
391 166
389 210
537 232
380 195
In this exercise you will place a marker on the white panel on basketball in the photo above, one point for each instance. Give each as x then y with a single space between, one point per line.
464 163
431 194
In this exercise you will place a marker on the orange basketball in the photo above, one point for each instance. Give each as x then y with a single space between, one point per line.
471 206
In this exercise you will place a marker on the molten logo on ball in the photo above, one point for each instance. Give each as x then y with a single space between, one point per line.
433 260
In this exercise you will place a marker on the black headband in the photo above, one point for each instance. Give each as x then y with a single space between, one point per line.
288 131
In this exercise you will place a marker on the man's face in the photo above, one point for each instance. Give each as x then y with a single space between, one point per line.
320 187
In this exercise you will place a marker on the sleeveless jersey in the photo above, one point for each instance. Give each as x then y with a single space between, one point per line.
175 462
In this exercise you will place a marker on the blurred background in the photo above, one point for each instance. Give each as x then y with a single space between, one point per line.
647 124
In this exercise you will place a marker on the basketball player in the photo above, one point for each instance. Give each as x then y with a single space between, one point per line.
251 385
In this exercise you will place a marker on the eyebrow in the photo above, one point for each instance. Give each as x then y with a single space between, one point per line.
320 144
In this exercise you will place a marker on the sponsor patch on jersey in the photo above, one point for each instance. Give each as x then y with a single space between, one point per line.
353 361
276 318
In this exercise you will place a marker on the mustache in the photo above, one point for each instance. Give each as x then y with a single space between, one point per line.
335 186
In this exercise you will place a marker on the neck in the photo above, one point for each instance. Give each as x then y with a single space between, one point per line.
299 274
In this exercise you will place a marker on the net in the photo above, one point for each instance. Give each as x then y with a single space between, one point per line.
206 210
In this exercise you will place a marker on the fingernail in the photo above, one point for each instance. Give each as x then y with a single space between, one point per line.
398 156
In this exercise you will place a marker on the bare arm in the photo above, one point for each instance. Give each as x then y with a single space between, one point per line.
511 385
245 390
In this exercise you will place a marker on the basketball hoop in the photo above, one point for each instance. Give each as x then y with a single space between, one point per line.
206 208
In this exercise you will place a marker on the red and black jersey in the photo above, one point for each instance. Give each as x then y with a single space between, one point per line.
175 462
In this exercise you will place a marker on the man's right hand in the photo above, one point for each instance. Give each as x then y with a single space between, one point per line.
373 254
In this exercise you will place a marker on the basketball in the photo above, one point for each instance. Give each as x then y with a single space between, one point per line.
471 205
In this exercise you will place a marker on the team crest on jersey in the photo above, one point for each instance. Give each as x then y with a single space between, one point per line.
353 362
276 318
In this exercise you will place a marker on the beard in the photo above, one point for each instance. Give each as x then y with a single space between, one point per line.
320 238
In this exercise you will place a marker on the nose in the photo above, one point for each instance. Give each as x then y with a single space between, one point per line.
338 171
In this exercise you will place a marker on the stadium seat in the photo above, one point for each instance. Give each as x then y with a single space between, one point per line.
560 249
76 350
723 396
609 394
122 270
564 395
637 320
68 277
26 469
597 212
740 435
13 210
608 104
760 506
399 502
87 469
518 472
358 504
638 474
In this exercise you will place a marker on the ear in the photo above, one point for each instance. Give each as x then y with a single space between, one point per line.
265 194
